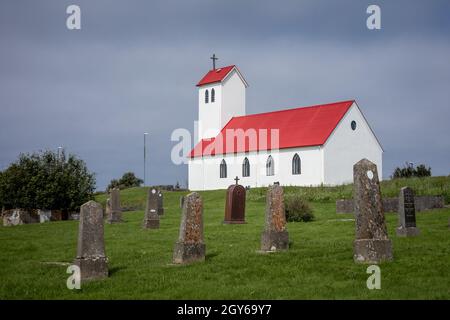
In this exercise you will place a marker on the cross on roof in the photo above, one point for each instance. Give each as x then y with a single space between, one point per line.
236 179
214 58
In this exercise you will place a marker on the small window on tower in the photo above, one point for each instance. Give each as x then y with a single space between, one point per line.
353 124
213 95
206 96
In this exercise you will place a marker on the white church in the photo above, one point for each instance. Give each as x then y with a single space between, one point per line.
305 146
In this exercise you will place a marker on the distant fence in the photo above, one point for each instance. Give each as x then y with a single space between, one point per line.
391 204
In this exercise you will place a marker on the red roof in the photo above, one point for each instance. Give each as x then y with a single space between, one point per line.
215 75
299 127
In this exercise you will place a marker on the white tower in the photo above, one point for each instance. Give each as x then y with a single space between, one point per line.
221 96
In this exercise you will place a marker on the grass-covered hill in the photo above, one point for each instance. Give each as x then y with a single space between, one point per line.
318 265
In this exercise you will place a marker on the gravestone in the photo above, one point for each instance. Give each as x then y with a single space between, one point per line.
275 236
151 217
190 246
108 208
407 214
115 214
44 215
372 244
235 205
181 202
160 203
91 257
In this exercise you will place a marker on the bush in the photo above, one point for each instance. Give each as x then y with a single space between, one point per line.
128 180
46 180
409 171
297 209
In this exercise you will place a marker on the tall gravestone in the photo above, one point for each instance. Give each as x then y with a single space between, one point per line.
160 203
108 208
275 236
372 244
115 211
190 246
91 257
407 214
151 217
235 205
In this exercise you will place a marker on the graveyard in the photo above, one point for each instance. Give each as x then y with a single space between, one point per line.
319 263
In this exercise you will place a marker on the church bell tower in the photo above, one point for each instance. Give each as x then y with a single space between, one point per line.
221 96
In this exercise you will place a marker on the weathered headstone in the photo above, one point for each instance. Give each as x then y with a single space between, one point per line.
108 208
275 236
151 217
16 217
190 246
407 214
181 202
44 215
91 257
372 244
115 214
160 203
235 205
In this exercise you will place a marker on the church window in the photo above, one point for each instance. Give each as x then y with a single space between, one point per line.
213 95
206 96
353 125
296 165
270 167
223 169
246 168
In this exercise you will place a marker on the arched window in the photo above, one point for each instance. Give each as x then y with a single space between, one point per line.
206 96
246 168
270 166
296 165
223 169
213 95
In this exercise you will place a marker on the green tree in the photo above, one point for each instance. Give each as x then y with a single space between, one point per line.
46 180
128 180
409 171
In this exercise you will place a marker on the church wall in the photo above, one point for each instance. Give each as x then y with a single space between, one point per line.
233 98
345 147
209 114
205 174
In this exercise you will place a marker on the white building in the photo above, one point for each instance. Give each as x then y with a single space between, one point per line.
301 147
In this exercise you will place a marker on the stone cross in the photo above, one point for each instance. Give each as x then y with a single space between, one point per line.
91 257
275 236
407 214
190 246
237 180
235 204
160 203
151 217
115 212
372 244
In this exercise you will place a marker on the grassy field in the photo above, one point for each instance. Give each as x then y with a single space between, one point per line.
318 265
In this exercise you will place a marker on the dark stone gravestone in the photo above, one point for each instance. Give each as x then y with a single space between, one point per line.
160 203
190 246
115 211
151 217
372 244
275 236
91 257
235 205
407 214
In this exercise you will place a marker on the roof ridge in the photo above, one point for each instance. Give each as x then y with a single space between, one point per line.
296 108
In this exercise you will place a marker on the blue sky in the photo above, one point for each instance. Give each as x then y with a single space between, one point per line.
134 64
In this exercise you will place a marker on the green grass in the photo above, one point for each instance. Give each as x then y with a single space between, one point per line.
318 265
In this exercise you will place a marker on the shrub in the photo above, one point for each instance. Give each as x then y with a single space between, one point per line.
46 180
128 180
297 209
409 171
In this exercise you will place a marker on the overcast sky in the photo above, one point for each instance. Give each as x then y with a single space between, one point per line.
133 67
